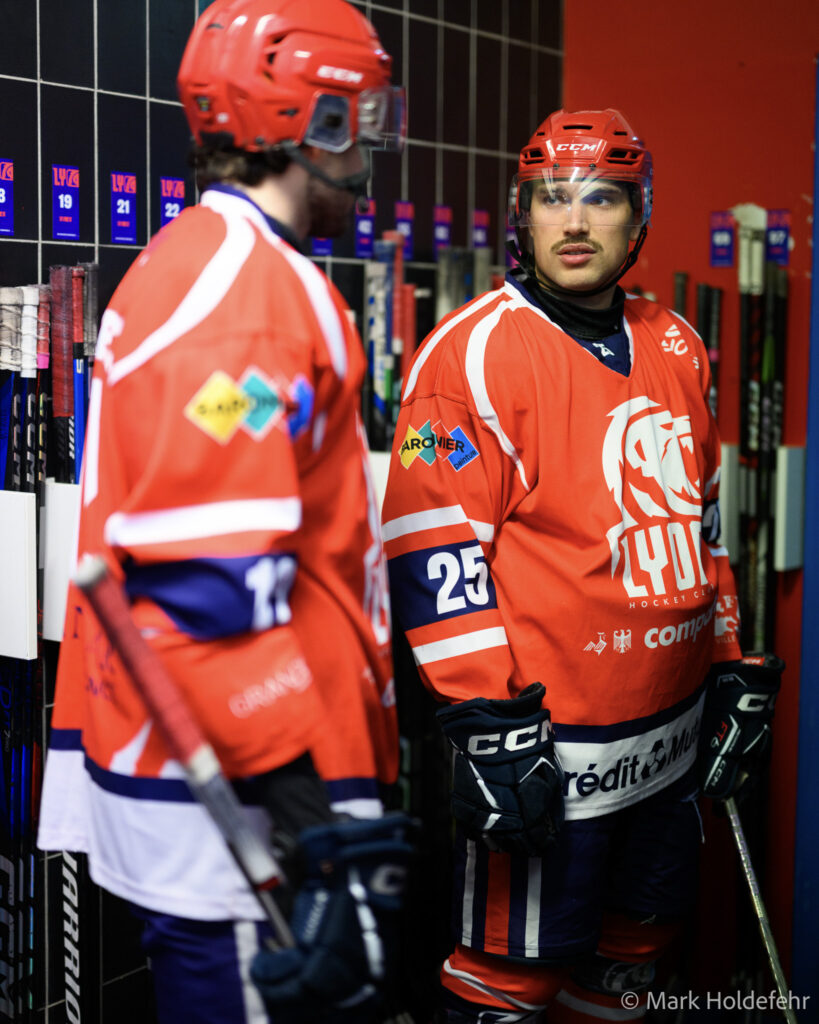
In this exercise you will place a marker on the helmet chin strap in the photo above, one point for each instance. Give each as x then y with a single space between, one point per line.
527 262
355 184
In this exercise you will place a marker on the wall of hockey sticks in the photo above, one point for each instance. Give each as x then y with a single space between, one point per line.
92 164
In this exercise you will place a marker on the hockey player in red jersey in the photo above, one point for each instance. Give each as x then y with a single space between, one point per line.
226 483
551 522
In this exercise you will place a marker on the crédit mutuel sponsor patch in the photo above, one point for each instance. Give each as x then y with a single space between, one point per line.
434 442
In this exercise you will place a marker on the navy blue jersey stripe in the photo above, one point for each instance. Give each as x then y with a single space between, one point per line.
439 583
65 739
209 598
620 730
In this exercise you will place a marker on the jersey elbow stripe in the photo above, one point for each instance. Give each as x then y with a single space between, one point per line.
466 643
207 292
234 208
433 519
219 518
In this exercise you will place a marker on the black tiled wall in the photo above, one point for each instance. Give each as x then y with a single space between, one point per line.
91 84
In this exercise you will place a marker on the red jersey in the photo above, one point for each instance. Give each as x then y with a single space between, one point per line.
547 518
226 481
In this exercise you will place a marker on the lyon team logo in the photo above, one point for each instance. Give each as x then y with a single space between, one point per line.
650 467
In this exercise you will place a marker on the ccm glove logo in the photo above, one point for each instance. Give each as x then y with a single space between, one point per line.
513 741
754 703
507 783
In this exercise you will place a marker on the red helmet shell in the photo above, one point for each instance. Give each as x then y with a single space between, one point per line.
254 69
599 142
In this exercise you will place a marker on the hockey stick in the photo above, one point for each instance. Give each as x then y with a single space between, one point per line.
62 373
184 739
761 913
78 364
751 220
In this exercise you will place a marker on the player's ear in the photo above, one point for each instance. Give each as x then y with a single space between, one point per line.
634 233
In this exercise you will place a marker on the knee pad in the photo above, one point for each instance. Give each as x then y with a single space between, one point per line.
494 989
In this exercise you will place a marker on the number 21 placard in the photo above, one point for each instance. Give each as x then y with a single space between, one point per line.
123 208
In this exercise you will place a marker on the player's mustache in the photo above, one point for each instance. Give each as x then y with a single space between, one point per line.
558 247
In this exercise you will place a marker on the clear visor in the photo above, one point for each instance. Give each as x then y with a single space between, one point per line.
572 194
381 121
382 118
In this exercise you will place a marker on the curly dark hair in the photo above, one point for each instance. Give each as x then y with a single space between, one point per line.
217 159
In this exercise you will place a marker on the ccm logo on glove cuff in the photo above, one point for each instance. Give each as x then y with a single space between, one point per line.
514 740
755 702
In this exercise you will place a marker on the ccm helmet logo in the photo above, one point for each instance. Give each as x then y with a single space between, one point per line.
339 74
576 147
514 740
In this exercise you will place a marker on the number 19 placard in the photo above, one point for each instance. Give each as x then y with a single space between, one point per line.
65 202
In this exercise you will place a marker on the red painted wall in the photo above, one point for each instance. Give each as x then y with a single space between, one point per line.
723 92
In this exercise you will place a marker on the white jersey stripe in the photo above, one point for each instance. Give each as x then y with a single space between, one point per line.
466 643
469 894
433 519
193 522
246 939
430 346
475 353
207 292
481 986
532 927
359 807
315 283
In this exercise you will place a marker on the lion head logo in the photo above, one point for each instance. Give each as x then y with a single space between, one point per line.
650 467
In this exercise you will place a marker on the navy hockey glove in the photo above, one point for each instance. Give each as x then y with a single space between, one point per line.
736 725
507 786
346 921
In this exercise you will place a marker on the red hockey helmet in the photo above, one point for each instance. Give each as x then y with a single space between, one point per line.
259 73
587 148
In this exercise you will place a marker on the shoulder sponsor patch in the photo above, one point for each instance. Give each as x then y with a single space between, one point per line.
432 442
255 403
219 407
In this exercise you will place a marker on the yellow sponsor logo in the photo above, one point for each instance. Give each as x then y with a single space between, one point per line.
219 407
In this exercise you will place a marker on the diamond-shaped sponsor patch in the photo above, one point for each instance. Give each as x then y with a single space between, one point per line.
418 443
301 404
430 443
464 452
219 407
266 407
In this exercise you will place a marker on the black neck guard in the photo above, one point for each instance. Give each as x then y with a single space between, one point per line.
590 324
